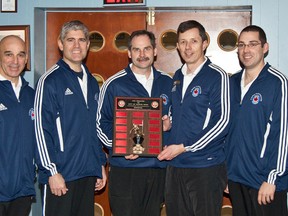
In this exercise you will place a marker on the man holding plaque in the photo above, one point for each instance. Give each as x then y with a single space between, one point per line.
196 175
136 182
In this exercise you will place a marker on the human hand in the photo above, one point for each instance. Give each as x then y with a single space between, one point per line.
171 152
166 123
131 157
57 185
266 193
100 183
226 190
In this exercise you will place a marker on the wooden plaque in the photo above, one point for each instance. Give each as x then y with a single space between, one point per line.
137 126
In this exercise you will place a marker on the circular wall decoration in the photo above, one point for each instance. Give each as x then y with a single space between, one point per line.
98 210
226 210
168 40
99 79
121 41
97 41
227 40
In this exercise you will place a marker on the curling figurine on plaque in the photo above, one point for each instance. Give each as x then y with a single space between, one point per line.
138 138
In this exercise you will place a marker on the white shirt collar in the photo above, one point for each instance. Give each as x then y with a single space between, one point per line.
17 87
184 69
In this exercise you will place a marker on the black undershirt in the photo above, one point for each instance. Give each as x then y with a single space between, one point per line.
79 74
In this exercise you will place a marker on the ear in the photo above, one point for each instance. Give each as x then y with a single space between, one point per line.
155 51
129 53
88 45
265 48
26 60
205 45
60 44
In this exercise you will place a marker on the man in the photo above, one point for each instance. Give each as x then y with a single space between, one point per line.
17 142
70 155
257 142
136 183
196 175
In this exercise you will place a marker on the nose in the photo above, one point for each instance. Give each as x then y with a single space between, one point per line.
142 52
188 45
76 43
15 59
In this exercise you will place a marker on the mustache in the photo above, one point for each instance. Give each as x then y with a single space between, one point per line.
143 59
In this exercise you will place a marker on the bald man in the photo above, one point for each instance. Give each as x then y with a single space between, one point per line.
17 138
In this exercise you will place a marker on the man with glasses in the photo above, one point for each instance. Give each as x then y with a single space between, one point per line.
257 144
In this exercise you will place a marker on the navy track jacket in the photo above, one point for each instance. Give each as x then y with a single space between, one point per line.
257 144
17 142
65 125
124 83
200 119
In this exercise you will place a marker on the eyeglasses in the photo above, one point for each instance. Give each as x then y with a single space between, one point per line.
249 45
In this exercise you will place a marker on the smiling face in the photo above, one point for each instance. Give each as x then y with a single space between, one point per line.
142 54
251 54
74 47
13 57
191 47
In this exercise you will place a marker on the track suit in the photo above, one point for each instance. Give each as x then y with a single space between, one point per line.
200 119
200 123
257 143
65 111
17 142
136 187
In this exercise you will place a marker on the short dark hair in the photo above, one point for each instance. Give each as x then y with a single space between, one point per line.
190 24
142 32
73 25
254 28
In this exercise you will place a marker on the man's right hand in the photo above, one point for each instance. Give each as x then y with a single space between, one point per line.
57 185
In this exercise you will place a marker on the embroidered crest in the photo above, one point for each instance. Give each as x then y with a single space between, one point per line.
196 91
32 114
96 96
256 98
164 99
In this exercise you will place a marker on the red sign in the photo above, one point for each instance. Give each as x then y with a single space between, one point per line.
124 2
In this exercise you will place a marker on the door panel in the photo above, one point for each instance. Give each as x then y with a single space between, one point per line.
214 22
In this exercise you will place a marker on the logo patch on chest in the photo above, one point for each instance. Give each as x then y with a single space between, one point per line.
256 98
32 114
2 107
68 92
164 99
196 91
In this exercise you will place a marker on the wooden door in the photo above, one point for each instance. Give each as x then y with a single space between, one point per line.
214 22
105 62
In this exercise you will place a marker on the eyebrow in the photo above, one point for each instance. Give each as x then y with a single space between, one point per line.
249 41
21 52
